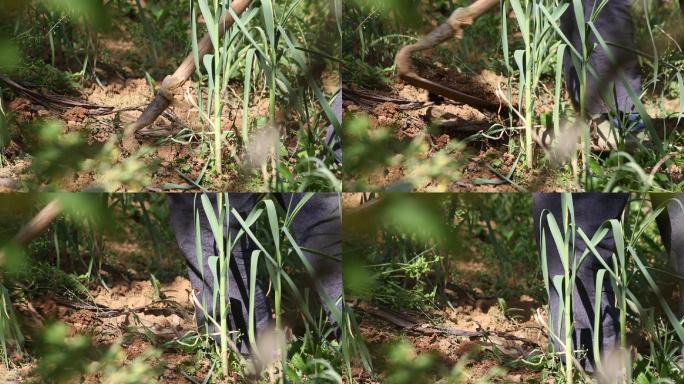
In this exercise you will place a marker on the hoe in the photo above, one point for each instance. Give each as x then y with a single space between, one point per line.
161 102
172 83
454 26
461 18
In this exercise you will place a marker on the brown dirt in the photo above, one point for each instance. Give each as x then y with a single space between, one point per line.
483 86
75 115
470 314
351 200
166 157
167 320
119 93
124 86
392 108
141 310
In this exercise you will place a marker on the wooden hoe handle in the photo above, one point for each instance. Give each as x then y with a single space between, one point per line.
171 83
34 228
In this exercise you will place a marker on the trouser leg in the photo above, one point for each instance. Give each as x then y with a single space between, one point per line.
332 139
615 26
591 211
671 226
317 228
186 211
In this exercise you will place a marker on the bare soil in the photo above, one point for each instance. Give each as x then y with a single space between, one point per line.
166 156
123 307
484 354
140 312
412 112
124 87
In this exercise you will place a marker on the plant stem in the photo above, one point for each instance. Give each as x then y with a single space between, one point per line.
568 326
217 103
528 93
278 291
623 315
222 289
272 102
583 116
568 278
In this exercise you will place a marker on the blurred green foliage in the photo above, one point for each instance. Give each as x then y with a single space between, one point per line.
369 151
406 251
64 358
10 56
403 249
405 366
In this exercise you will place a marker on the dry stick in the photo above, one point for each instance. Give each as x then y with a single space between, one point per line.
36 226
461 18
171 83
408 325
55 102
168 306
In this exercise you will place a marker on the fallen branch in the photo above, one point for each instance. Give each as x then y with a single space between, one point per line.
167 307
55 102
368 98
408 325
461 126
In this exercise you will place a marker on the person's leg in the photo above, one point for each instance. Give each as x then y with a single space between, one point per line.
186 211
671 226
591 211
182 210
333 140
240 263
317 228
615 25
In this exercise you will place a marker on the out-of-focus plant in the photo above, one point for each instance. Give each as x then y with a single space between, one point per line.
59 155
368 151
64 358
406 367
11 336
